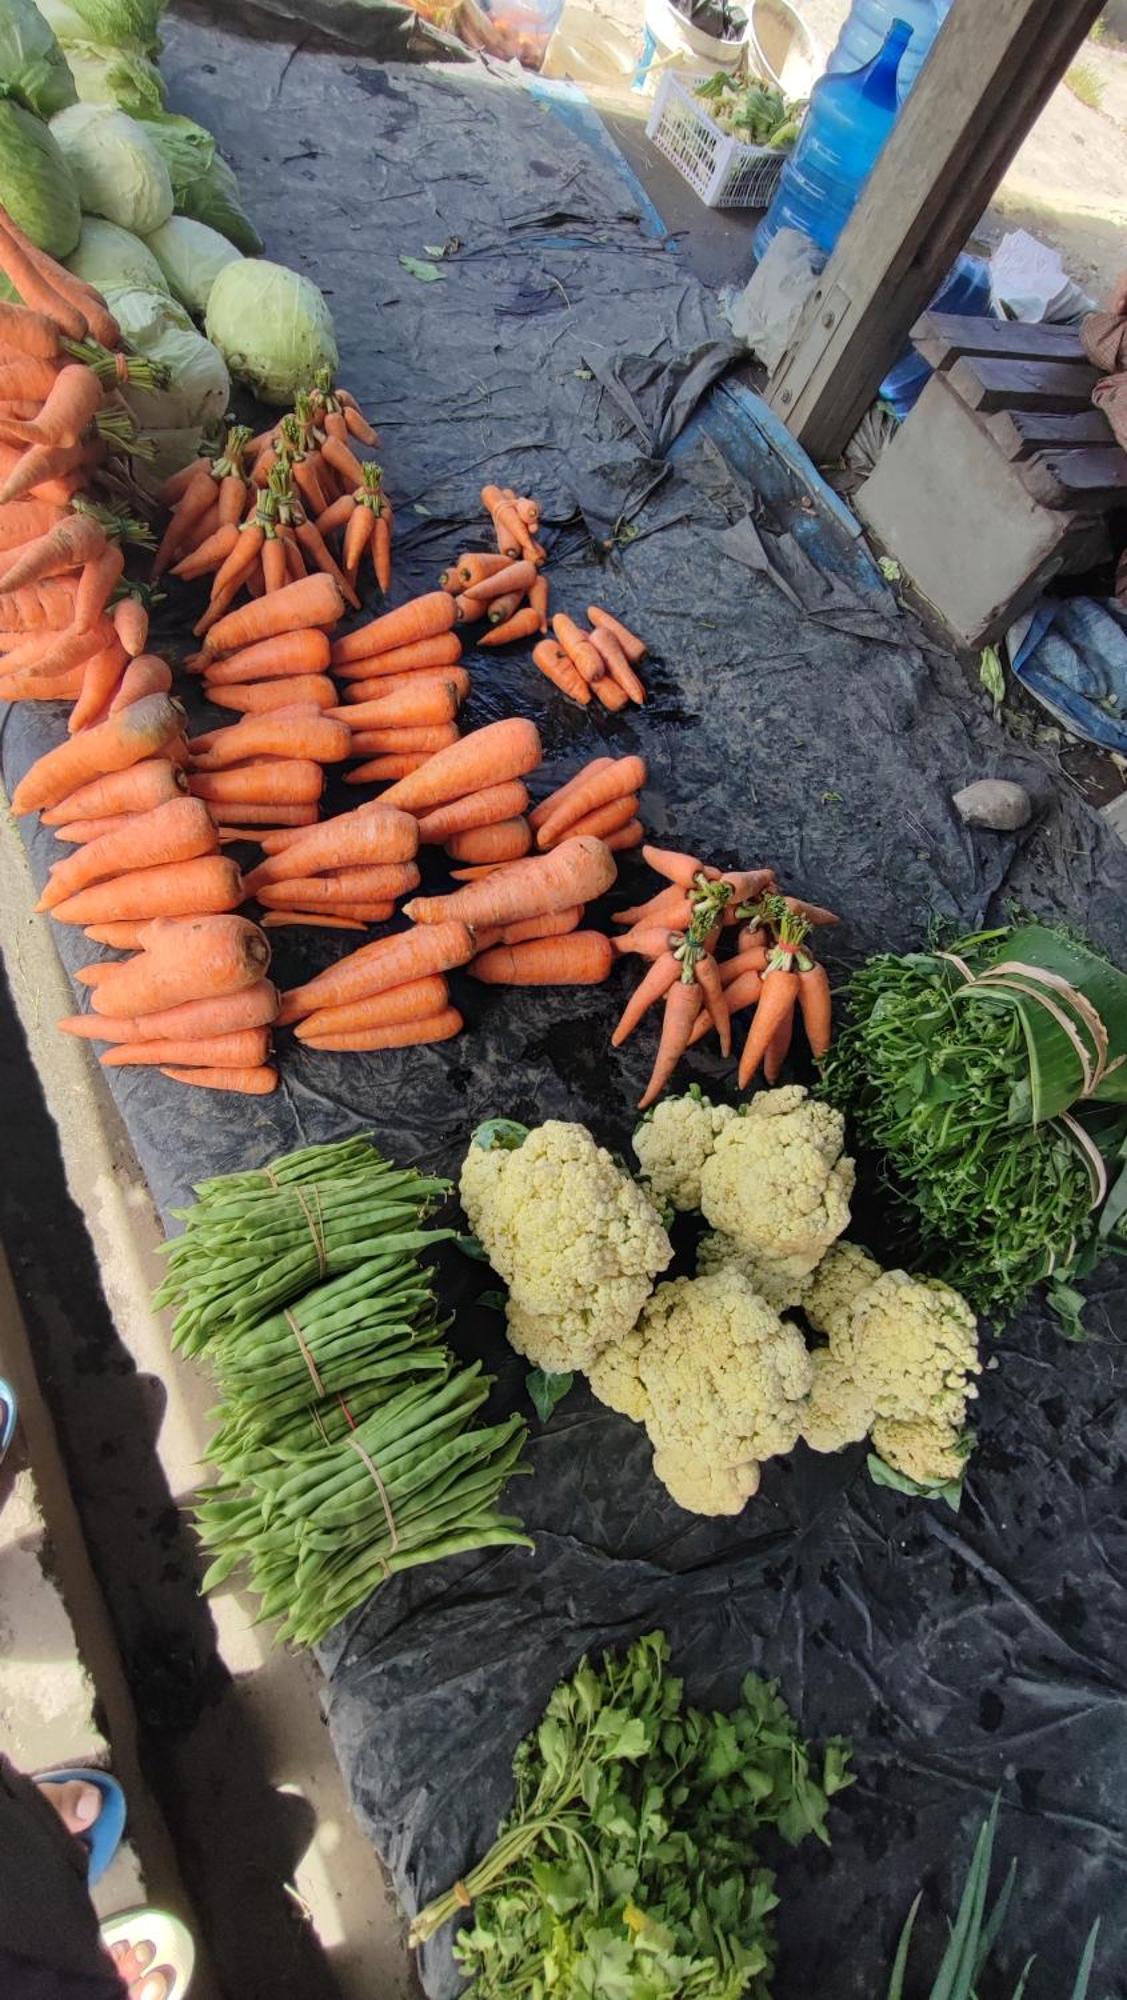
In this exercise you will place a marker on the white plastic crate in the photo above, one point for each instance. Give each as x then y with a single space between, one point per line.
723 171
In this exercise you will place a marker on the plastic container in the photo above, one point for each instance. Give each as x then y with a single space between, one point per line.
866 30
724 172
849 119
781 48
967 292
670 43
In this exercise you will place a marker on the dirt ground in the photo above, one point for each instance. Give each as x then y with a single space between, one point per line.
1068 184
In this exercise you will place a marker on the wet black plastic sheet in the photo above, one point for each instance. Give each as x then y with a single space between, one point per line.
797 724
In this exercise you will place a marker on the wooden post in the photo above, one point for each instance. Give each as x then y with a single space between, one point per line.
994 66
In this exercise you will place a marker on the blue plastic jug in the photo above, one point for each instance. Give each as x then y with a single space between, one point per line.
849 118
866 30
966 291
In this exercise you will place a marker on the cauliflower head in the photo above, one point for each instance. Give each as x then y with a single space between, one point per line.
701 1487
777 1180
843 1274
614 1377
913 1349
726 1380
575 1239
773 1278
838 1411
673 1143
930 1453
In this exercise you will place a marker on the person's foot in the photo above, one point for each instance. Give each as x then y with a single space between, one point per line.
77 1804
133 1958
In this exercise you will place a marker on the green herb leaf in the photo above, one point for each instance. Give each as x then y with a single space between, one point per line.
950 1490
427 274
991 675
545 1391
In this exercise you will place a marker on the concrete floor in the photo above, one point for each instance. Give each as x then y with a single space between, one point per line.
284 1890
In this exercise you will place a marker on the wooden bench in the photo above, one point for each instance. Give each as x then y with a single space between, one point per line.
1001 477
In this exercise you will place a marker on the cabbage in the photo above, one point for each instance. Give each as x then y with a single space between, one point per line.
33 68
203 185
156 326
272 328
118 171
191 256
113 260
116 24
36 185
114 76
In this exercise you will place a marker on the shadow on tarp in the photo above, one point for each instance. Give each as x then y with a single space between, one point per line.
792 717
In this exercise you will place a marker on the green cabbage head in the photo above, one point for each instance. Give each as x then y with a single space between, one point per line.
116 76
191 256
272 327
116 24
117 169
203 185
36 184
33 68
114 260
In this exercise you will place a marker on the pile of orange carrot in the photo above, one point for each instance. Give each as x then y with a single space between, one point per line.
679 930
506 588
390 994
193 1002
599 662
266 770
346 873
403 689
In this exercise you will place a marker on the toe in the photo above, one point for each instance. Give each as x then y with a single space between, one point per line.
76 1802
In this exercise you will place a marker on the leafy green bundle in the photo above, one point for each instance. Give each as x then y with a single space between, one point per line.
629 1866
992 1076
346 1447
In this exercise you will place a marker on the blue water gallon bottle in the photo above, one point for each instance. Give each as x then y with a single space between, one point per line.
965 291
848 120
865 30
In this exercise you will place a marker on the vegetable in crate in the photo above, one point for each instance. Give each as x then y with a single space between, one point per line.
630 1862
992 1076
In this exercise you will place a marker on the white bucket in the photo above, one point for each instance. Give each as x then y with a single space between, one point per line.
681 47
782 49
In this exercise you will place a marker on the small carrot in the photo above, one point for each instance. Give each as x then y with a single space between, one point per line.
471 568
389 768
245 814
74 540
354 913
778 1048
258 1081
210 554
77 832
598 785
34 287
517 577
538 601
242 1048
493 755
290 655
313 545
816 1007
650 940
174 889
554 663
348 885
343 461
260 697
707 975
359 839
284 781
357 538
754 959
775 1009
555 799
417 1000
521 625
681 869
556 925
322 920
503 840
198 958
575 872
421 742
145 674
578 648
812 913
399 1035
581 958
657 982
617 664
602 821
315 600
743 992
670 907
378 689
131 623
375 968
633 647
424 617
412 707
682 1005
135 790
607 691
251 1007
127 737
496 802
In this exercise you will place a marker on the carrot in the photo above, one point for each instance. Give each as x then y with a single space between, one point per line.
609 780
127 737
315 919
196 958
521 625
404 742
493 755
354 913
174 889
602 821
357 538
576 872
617 664
417 1000
754 959
556 925
609 693
424 617
649 940
377 690
246 814
517 577
381 549
375 968
813 912
438 1027
208 556
681 869
77 832
742 992
484 808
145 674
92 975
197 498
31 332
27 379
29 686
315 600
41 465
553 661
257 1081
776 1007
682 1005
629 836
73 402
23 522
502 840
98 581
286 781
581 958
538 601
102 678
259 697
633 647
712 993
71 542
578 648
658 980
135 790
313 544
180 830
471 568
243 1048
412 708
294 654
816 1008
778 1048
72 293
34 288
121 937
549 804
131 623
288 732
377 884
252 1007
51 655
669 906
468 612
442 649
388 769
37 607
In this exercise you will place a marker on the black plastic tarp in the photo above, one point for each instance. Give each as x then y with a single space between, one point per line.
792 718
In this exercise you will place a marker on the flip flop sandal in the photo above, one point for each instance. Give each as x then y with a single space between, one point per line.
103 1838
8 1414
173 1949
